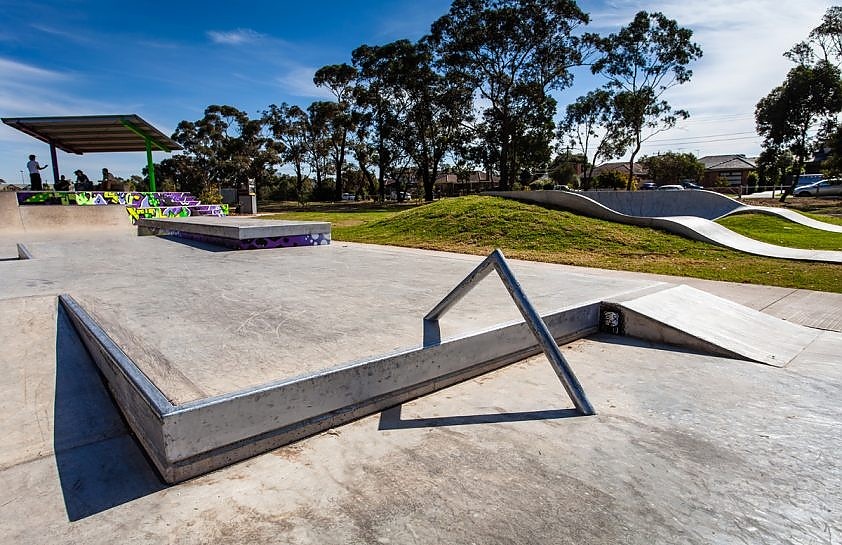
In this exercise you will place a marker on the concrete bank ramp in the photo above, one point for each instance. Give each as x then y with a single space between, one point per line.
703 204
691 318
790 215
10 221
693 226
658 204
37 218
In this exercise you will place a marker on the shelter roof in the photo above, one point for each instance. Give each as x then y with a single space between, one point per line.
94 133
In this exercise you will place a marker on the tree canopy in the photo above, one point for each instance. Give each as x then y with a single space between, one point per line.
641 62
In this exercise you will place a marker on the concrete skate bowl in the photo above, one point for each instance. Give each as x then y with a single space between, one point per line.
686 213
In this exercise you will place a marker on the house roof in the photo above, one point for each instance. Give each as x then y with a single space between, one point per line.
622 166
727 162
94 133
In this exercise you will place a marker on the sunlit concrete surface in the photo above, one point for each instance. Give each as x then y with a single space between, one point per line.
686 447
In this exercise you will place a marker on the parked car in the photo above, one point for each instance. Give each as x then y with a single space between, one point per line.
648 186
348 197
690 185
671 188
832 186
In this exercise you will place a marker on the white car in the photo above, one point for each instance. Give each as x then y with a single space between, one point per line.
831 186
671 188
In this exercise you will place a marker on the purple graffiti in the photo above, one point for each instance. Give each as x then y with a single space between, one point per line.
315 239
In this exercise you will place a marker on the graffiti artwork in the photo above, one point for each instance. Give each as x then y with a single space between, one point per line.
315 239
177 211
135 199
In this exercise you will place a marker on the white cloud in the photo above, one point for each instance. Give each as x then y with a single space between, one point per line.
235 37
743 44
298 81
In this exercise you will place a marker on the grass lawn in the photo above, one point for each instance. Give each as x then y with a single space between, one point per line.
779 231
477 225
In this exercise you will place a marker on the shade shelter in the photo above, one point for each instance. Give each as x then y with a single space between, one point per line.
96 134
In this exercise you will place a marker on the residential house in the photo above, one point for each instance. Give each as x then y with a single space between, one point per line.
734 168
622 167
453 185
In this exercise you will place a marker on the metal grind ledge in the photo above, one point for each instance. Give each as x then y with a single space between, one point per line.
691 318
187 440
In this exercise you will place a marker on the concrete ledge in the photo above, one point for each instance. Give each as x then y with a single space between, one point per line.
239 233
194 438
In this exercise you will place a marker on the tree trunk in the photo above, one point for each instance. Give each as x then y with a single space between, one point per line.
631 167
505 181
795 176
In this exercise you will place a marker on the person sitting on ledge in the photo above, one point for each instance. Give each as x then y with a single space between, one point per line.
63 184
83 183
109 181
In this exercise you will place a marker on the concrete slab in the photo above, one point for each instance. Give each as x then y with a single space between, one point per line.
239 233
689 449
88 491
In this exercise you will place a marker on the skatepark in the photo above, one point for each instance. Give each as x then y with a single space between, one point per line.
162 388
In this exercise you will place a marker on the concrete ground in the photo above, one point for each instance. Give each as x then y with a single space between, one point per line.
686 448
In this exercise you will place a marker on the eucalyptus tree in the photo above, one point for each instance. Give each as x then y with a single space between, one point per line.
641 62
230 147
381 103
785 117
339 79
317 144
289 125
590 126
824 43
511 53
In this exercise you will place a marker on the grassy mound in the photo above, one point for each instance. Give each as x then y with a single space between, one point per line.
477 225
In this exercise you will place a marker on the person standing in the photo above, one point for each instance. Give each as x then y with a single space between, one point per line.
34 175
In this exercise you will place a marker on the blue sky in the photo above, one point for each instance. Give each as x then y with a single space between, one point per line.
167 64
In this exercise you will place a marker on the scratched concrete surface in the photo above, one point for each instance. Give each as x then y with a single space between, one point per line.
687 448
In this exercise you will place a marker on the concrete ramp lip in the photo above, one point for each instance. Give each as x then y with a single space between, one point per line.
685 316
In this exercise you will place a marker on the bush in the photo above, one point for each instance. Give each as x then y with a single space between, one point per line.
210 195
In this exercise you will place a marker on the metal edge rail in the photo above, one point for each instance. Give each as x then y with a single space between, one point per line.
496 261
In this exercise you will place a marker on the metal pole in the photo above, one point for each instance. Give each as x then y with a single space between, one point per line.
545 338
55 163
150 165
496 261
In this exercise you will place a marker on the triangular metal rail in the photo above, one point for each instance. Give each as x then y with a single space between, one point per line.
496 261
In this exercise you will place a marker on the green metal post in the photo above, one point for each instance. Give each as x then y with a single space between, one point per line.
150 165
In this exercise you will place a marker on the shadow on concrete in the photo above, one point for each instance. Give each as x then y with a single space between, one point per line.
99 463
199 245
390 419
